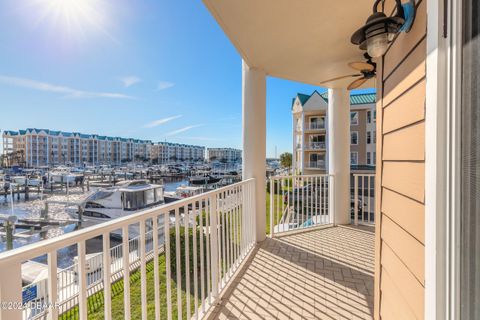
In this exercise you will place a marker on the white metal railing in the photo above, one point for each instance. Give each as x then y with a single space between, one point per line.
316 145
207 236
316 126
363 204
320 164
300 202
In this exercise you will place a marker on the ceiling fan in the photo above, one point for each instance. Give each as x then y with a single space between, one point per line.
367 70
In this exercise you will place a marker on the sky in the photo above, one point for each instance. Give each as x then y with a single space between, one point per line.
157 70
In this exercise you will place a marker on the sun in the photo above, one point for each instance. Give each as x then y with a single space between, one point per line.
73 17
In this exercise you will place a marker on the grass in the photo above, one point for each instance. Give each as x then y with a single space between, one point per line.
277 198
95 302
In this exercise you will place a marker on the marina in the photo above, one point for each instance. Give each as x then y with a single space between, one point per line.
43 203
47 203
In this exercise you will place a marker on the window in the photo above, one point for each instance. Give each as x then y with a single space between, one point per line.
354 138
369 137
374 136
354 158
354 118
369 116
374 158
374 115
369 158
317 123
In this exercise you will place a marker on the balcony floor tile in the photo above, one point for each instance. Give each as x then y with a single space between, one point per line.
319 274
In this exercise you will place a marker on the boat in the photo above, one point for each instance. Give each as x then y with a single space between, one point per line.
18 180
123 199
63 177
206 179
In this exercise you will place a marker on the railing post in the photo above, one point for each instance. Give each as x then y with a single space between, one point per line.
331 199
214 246
355 199
272 203
11 291
52 285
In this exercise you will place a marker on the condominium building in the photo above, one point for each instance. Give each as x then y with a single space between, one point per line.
224 154
43 147
164 152
310 134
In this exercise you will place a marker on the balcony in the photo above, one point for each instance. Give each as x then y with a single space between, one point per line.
318 165
321 274
315 126
199 257
316 145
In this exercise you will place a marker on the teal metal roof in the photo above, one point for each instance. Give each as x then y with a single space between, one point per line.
355 99
358 98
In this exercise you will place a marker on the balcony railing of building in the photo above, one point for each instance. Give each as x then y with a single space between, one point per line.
194 246
300 202
363 203
315 126
316 145
320 164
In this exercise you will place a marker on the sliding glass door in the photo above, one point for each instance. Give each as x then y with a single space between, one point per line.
470 164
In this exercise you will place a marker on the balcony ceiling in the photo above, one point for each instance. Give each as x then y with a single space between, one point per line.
301 40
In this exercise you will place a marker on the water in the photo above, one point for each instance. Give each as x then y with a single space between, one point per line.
32 209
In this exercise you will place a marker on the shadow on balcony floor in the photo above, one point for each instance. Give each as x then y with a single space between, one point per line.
321 274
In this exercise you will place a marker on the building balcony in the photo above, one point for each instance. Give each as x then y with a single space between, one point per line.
200 258
319 165
316 145
321 274
315 126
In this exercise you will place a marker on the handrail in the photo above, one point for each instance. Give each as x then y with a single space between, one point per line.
223 221
302 202
35 249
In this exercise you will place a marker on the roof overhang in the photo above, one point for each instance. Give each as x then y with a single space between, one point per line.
300 40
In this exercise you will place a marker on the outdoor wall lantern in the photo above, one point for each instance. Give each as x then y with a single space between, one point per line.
380 29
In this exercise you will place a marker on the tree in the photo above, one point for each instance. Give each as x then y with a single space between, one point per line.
286 159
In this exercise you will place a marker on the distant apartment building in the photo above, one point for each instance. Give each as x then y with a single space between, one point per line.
310 134
224 154
165 152
44 147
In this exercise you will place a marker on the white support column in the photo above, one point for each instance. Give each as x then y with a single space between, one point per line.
339 153
254 139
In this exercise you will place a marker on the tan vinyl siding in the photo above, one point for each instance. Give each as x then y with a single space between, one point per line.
407 213
398 145
400 249
407 109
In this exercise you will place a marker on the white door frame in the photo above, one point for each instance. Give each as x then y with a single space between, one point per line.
442 158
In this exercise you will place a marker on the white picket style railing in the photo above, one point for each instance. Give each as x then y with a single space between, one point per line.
363 211
299 202
220 224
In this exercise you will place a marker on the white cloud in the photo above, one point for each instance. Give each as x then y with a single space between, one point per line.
159 122
175 132
130 80
162 85
69 92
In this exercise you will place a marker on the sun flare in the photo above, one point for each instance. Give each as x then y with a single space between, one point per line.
73 17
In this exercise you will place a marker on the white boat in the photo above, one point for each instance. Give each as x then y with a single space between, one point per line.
125 198
63 177
183 192
34 182
19 180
